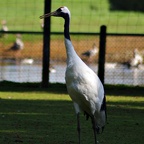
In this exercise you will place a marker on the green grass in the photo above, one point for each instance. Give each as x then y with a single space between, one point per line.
87 16
35 115
22 15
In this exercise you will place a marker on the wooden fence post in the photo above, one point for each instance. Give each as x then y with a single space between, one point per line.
102 51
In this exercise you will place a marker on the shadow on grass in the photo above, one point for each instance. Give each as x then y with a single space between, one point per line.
28 87
36 121
54 122
118 90
123 90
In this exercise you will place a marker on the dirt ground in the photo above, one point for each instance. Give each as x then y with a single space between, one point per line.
118 49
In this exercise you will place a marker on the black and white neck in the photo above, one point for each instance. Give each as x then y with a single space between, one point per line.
66 26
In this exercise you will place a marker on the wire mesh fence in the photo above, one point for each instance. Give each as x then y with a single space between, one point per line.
24 64
18 54
124 60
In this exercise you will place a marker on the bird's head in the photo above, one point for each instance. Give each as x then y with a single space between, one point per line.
60 12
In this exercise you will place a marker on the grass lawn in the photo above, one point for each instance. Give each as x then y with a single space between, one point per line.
33 115
87 16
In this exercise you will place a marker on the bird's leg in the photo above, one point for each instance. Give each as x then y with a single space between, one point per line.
78 126
94 128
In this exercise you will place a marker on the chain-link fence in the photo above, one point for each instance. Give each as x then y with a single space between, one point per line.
124 60
20 57
21 50
25 65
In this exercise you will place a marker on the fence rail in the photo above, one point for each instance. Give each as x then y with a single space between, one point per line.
119 50
73 33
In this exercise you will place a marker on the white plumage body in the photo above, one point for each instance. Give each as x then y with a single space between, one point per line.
84 86
20 43
91 52
137 59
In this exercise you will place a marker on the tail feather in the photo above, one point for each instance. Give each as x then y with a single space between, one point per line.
103 106
101 117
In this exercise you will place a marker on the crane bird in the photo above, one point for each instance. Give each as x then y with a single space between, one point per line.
83 85
4 28
42 24
135 61
92 52
16 48
18 44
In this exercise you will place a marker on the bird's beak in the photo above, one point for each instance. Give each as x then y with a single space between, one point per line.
48 15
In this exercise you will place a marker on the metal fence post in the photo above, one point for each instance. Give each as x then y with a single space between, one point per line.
102 50
46 46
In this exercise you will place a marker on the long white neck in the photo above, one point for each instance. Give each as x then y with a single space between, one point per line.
71 54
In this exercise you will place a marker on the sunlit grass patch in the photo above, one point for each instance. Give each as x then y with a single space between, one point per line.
30 114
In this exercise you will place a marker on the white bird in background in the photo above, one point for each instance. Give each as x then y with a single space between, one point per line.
27 61
4 28
42 24
18 44
92 52
83 85
16 49
137 59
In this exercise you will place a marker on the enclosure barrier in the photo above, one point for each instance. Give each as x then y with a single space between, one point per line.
119 49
